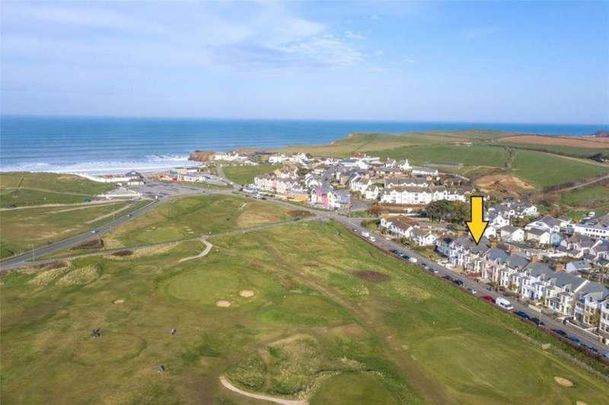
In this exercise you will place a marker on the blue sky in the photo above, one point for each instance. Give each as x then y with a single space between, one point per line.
545 61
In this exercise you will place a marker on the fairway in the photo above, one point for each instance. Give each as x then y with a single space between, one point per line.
192 217
326 317
27 228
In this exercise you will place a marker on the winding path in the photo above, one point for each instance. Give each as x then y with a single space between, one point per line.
204 253
269 398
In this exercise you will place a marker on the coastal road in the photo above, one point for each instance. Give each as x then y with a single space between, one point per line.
158 192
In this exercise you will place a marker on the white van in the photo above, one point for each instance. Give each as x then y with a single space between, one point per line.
503 303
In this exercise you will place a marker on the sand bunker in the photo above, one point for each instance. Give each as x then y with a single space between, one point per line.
247 293
563 382
119 301
223 304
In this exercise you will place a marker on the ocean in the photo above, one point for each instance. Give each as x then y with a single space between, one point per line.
96 145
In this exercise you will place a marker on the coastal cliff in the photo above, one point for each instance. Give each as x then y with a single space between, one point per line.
201 156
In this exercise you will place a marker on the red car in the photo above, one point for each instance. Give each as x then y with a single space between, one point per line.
488 298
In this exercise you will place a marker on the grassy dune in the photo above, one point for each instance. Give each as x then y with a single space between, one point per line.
192 217
331 318
24 189
32 226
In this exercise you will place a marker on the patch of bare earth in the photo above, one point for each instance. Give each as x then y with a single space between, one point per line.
580 142
372 276
563 382
501 182
223 304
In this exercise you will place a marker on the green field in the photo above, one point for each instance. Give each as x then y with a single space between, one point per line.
25 189
192 217
467 155
245 174
331 318
544 169
22 229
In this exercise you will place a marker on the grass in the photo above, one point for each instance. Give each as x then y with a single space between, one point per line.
245 174
314 327
25 189
33 226
543 169
192 217
450 154
581 201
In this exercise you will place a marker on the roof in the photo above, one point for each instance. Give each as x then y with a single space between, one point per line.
538 232
516 262
496 253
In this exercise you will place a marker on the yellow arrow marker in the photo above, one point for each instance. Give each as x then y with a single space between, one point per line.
477 225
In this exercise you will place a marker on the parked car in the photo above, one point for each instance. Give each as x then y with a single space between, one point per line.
365 234
372 239
537 321
592 349
575 340
395 251
94 231
472 291
488 298
412 259
458 282
504 304
447 277
522 315
560 332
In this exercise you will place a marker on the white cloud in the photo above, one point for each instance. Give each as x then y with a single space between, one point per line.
353 35
204 34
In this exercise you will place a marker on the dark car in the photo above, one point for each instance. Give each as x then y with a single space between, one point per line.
449 278
458 282
560 332
395 251
592 349
522 314
575 340
488 298
537 321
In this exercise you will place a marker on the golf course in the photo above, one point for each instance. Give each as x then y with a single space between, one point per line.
293 312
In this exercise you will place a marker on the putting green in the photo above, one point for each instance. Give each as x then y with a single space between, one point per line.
205 285
353 388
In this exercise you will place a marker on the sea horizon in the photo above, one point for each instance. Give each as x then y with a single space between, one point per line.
86 144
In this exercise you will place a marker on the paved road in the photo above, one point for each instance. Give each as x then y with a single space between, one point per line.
162 191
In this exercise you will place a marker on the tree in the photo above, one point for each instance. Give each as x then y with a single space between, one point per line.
450 211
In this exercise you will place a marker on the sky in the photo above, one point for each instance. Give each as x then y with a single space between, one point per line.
486 61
